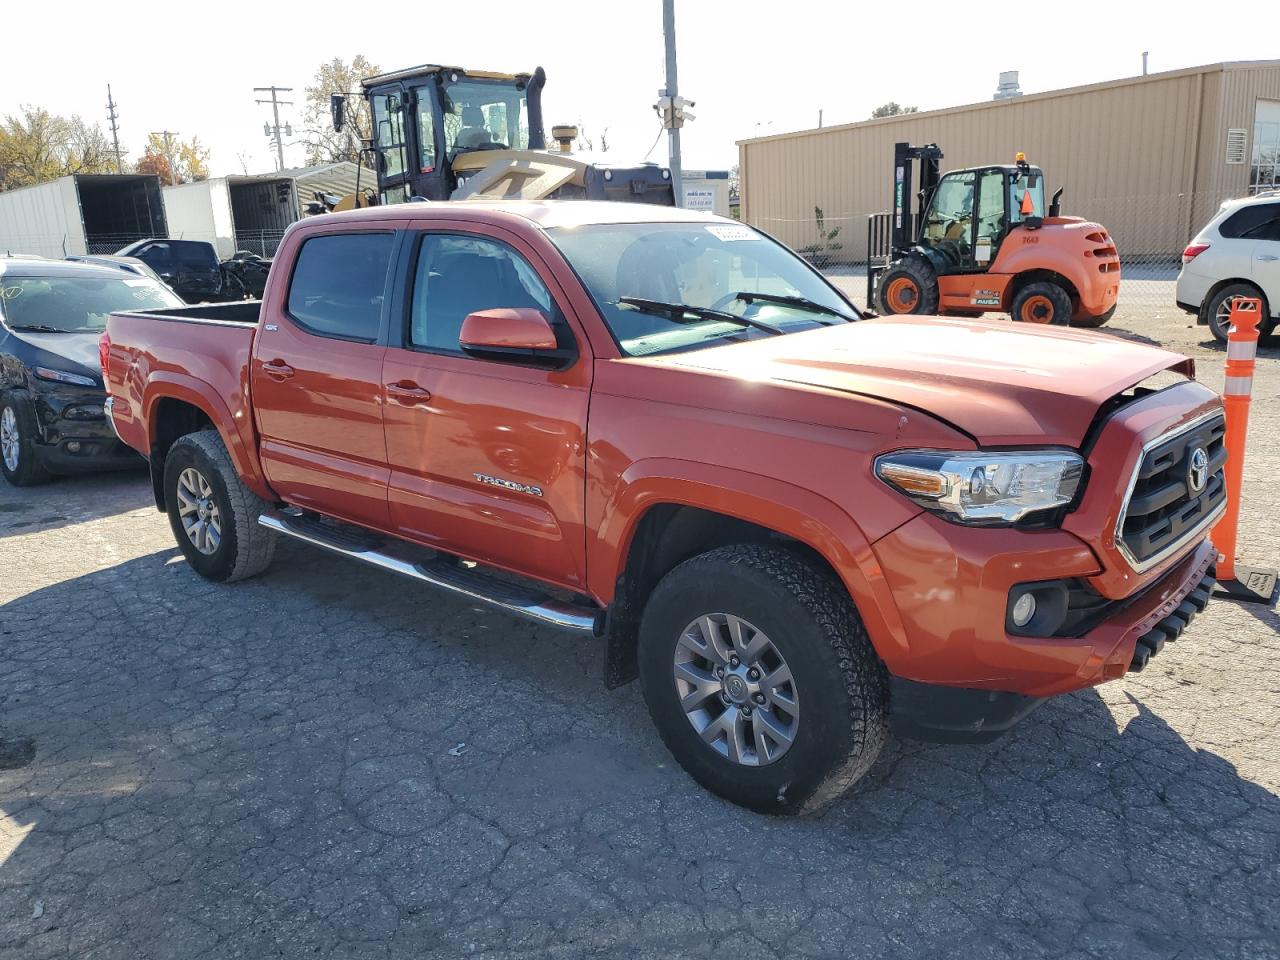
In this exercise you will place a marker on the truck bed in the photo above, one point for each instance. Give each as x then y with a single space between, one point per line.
242 312
196 355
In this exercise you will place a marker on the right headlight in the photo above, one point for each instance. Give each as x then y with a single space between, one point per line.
984 488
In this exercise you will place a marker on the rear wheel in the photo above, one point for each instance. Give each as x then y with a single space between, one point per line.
214 516
1218 311
17 441
1045 303
761 680
908 286
1095 322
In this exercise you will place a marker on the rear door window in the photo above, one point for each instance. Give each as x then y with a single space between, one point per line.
1258 221
339 284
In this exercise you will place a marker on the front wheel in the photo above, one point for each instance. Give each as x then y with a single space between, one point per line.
18 460
908 286
761 680
214 516
1045 303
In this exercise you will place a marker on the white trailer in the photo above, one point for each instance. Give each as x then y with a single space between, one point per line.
253 212
83 213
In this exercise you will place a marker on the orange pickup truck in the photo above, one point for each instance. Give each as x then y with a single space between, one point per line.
801 529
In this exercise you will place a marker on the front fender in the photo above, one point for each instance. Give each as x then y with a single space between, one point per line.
774 504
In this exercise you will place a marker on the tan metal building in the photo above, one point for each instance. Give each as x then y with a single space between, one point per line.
1151 157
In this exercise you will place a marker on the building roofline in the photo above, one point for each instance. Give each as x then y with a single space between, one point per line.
1025 98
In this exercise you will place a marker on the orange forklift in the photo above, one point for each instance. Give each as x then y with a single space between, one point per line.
980 243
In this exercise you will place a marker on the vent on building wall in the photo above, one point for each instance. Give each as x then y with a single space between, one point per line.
1237 145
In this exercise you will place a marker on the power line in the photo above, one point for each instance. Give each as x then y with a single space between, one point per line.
275 115
115 131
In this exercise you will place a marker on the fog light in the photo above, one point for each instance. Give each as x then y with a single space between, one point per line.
1024 608
73 446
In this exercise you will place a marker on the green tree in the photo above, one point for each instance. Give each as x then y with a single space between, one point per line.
892 109
174 160
324 144
37 145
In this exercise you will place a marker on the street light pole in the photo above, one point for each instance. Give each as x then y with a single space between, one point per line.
673 134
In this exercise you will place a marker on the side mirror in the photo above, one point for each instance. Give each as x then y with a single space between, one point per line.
514 334
337 111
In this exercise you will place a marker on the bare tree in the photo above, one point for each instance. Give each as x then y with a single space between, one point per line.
324 144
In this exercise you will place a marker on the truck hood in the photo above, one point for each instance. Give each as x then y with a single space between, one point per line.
999 382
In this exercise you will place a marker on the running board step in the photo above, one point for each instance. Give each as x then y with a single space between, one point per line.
441 572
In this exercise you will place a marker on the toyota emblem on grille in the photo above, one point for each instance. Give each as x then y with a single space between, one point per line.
1198 470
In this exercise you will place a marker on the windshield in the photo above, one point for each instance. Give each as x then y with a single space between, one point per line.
481 115
708 266
77 304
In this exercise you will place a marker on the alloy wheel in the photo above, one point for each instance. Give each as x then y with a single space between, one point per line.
9 439
736 689
198 510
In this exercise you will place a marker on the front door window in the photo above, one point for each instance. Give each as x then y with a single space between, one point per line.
949 222
388 135
991 217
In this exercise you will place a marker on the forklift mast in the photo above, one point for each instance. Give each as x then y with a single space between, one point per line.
906 221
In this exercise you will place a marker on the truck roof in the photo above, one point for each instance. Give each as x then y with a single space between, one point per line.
427 69
544 213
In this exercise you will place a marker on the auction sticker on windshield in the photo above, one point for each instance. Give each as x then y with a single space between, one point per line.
728 232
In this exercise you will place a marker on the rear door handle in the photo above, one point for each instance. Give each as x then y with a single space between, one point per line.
277 370
1266 256
408 393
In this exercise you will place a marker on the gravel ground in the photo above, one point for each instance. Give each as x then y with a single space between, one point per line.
325 762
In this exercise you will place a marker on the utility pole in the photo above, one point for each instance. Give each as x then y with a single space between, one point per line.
275 115
168 136
673 134
115 130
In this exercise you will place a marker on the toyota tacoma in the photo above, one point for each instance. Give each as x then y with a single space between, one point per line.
799 528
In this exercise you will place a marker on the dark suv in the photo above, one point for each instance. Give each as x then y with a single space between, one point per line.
190 267
52 314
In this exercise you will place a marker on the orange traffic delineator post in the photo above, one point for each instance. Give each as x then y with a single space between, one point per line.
1236 580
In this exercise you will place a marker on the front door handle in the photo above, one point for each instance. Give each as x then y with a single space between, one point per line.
1266 257
408 393
277 370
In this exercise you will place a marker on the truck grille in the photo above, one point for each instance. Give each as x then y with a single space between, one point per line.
1164 510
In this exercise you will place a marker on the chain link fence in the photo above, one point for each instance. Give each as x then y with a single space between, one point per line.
1150 233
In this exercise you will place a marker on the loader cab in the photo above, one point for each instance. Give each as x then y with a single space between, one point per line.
423 118
970 212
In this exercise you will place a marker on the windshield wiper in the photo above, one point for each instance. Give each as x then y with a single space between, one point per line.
804 303
37 328
677 311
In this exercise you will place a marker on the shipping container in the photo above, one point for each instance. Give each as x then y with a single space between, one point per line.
83 213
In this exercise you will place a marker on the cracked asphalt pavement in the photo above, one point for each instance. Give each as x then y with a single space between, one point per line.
330 762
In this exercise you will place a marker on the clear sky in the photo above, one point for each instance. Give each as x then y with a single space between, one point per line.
752 66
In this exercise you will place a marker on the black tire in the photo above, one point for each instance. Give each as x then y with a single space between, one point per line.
244 548
908 286
1043 302
28 471
1093 323
839 683
1220 302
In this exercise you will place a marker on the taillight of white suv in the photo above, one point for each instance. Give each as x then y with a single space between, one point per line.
1193 250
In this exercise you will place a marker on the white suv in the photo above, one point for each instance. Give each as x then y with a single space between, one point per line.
1236 255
